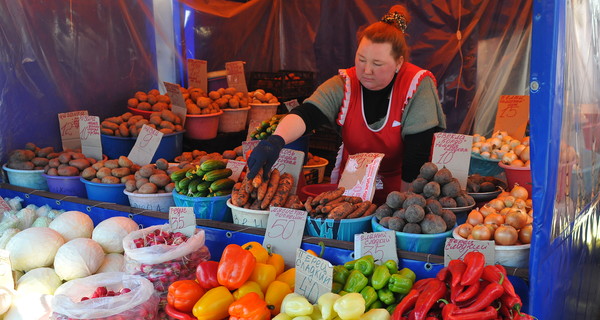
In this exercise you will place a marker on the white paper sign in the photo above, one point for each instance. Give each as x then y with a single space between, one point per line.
235 75
177 102
248 145
145 146
4 206
252 124
314 276
381 245
197 75
359 176
69 129
457 248
89 133
236 167
453 151
290 161
6 278
182 219
284 231
291 104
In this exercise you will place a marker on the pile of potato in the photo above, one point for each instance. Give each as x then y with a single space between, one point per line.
260 96
197 157
151 178
30 158
68 163
151 101
128 125
440 185
111 171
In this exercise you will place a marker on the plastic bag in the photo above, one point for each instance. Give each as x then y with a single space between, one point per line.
139 303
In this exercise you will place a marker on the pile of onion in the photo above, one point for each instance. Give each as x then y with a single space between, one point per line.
503 147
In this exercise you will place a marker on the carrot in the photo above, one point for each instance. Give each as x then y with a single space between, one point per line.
318 198
255 205
257 181
297 206
247 205
262 190
290 201
333 195
253 194
328 207
353 199
361 208
370 210
283 190
307 204
272 187
248 185
318 209
243 195
341 211
235 193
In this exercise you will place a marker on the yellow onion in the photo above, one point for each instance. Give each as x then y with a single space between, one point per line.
525 141
485 154
518 149
495 142
509 157
475 150
525 154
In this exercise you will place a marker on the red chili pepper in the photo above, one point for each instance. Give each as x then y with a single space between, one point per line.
432 318
406 304
206 274
448 310
508 287
498 274
505 312
475 262
485 298
434 291
488 313
457 268
455 291
512 303
421 284
470 292
442 274
524 316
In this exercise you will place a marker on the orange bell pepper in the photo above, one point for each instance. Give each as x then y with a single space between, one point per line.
276 291
249 286
277 261
260 253
214 304
289 277
263 274
249 307
183 294
235 267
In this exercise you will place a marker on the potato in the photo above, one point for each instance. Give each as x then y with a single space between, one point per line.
88 173
134 131
109 125
96 180
229 154
115 120
134 168
124 162
46 168
148 188
30 146
40 162
111 180
21 155
129 177
53 155
164 98
160 179
103 172
98 164
77 155
162 164
44 152
140 123
170 187
21 165
214 95
52 172
167 125
166 131
138 175
108 132
65 157
130 185
172 169
133 102
155 120
168 115
159 106
120 172
152 99
140 182
80 164
147 170
126 116
54 163
111 164
68 171
124 130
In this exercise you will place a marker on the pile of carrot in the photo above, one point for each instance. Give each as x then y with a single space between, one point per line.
334 205
260 194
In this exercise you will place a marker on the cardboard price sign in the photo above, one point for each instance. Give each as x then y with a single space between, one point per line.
182 219
197 75
453 151
314 276
236 167
381 245
284 231
68 123
457 248
177 102
512 115
89 134
236 77
145 146
290 161
360 174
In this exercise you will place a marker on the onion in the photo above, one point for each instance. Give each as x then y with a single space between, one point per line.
517 163
496 143
525 234
494 156
509 157
519 192
516 218
504 211
481 139
527 164
506 235
477 144
481 232
507 138
494 218
525 154
518 149
486 146
475 217
497 204
464 230
498 153
514 143
525 141
475 150
520 204
505 148
509 201
486 210
485 154
529 203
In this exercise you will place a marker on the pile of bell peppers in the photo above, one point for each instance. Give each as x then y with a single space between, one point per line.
381 285
247 283
464 290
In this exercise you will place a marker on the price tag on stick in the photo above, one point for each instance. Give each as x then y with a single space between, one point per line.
457 248
290 161
512 115
145 146
453 151
197 76
314 276
177 102
89 133
235 75
284 231
381 245
69 129
182 219
236 167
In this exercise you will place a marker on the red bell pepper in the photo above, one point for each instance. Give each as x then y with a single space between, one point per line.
456 268
206 274
235 267
421 284
485 298
475 262
434 291
183 294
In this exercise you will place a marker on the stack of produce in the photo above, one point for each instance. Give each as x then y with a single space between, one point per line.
229 98
151 178
151 101
259 194
30 158
198 156
260 96
463 290
111 171
128 125
68 163
209 179
334 205
501 146
266 128
439 184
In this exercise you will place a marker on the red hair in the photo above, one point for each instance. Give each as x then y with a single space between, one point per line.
382 32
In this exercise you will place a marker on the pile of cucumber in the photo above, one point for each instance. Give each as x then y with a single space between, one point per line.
209 179
266 128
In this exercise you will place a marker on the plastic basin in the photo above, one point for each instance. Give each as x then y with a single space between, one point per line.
262 111
314 174
248 217
233 120
424 243
171 145
156 201
202 126
70 186
33 179
105 192
483 166
520 175
511 256
344 229
211 208
312 190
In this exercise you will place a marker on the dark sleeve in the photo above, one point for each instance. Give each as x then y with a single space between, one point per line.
417 151
313 117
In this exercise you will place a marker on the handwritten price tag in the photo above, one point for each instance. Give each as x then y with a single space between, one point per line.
69 129
457 248
252 124
197 77
182 219
314 276
177 102
291 104
236 167
89 134
290 161
284 231
6 278
453 151
360 173
235 75
512 115
4 206
145 146
249 145
381 245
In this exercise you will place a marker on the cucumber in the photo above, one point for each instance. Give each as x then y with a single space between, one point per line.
221 193
200 194
193 185
212 164
200 173
204 186
178 175
222 184
190 173
183 184
215 175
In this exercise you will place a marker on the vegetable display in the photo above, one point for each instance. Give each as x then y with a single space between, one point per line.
151 178
266 127
30 158
112 171
259 194
68 163
129 125
334 205
209 179
503 147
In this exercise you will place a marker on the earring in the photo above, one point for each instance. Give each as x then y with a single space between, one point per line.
397 70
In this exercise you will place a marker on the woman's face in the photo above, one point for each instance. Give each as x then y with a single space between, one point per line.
375 65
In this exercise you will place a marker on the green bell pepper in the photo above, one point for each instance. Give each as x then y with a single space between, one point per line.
386 296
365 265
337 287
392 266
350 264
369 294
380 277
391 308
408 273
400 284
356 281
375 305
340 274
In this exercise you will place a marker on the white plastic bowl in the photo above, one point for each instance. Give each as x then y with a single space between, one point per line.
511 256
248 217
154 201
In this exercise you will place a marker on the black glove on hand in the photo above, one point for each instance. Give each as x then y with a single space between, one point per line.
264 156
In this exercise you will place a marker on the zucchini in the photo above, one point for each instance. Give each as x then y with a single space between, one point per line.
179 174
215 175
212 164
222 184
204 186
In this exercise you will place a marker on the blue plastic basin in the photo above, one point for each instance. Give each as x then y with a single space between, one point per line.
170 146
106 192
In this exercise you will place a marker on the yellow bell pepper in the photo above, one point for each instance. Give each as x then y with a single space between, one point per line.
214 304
376 314
295 305
282 316
263 274
289 277
277 261
247 287
350 306
302 318
316 315
258 251
276 291
325 304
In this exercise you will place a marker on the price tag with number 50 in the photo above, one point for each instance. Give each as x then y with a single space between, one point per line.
284 231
